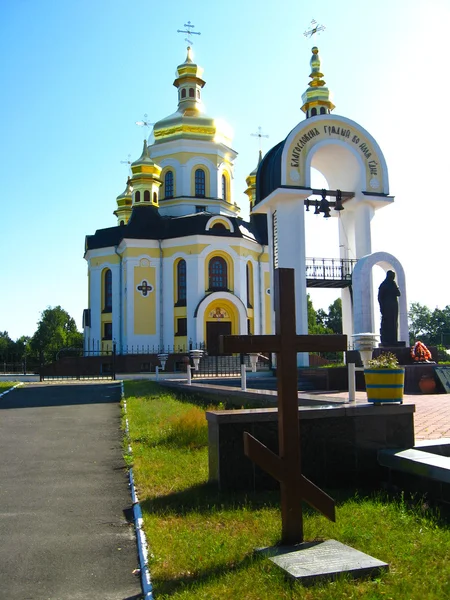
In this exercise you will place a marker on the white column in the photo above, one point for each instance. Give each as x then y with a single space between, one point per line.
195 290
96 308
292 254
168 302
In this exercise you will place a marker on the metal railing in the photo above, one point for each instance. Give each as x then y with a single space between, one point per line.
330 269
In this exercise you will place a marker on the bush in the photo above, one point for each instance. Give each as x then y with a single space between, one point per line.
188 430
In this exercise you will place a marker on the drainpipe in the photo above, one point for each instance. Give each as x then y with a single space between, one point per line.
260 295
161 303
120 298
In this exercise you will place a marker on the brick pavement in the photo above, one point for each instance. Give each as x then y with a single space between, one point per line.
431 417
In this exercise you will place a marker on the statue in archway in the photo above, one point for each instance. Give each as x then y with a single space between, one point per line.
388 293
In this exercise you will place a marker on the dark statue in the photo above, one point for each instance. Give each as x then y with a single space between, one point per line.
388 293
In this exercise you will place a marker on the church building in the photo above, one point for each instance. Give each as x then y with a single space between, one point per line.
181 267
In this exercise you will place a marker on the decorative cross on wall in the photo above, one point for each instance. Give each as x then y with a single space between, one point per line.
286 466
145 288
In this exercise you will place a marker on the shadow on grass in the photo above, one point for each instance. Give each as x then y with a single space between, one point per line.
170 586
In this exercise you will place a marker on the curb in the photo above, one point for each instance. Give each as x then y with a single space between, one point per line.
10 389
141 540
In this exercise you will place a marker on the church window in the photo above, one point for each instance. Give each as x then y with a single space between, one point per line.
122 223
191 93
323 110
218 227
107 291
107 331
168 185
181 326
155 198
183 93
146 196
200 183
181 283
224 187
137 197
249 274
313 112
218 278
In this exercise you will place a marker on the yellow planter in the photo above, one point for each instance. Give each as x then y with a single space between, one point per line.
384 385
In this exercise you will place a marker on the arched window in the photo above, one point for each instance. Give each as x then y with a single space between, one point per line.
183 93
218 227
313 112
249 273
323 110
155 198
146 196
224 187
122 223
107 291
181 283
137 197
191 93
168 185
200 183
218 277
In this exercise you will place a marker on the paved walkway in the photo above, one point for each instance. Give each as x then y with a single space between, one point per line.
64 499
431 417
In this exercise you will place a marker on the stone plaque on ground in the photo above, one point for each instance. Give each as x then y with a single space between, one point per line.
313 561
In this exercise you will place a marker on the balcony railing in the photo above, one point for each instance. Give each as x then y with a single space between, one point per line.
329 272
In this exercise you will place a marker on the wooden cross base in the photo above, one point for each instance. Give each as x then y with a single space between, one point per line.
286 467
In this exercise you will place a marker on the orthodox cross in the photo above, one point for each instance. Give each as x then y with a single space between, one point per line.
127 162
145 123
315 28
189 26
259 135
144 287
286 466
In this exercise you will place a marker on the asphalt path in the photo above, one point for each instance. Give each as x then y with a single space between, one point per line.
65 507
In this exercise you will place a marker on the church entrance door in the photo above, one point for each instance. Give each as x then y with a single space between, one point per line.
213 331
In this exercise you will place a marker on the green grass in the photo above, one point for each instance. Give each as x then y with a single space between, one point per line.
202 542
5 385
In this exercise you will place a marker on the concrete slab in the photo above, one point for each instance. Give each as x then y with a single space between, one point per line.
312 562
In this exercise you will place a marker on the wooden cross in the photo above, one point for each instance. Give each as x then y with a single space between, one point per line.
286 467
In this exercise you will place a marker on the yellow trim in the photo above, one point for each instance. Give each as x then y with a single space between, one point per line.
98 261
205 169
243 251
230 268
186 249
144 306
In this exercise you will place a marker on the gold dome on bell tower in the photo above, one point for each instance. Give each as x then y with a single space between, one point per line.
316 99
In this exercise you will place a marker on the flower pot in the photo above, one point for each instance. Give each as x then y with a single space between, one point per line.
384 385
427 384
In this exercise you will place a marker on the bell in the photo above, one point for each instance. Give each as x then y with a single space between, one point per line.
317 208
307 204
338 205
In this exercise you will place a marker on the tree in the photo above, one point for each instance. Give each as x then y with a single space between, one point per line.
56 330
5 344
315 327
430 327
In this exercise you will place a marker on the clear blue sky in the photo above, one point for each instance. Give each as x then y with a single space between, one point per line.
75 76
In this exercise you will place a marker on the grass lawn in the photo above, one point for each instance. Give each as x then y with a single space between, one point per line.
5 385
201 541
